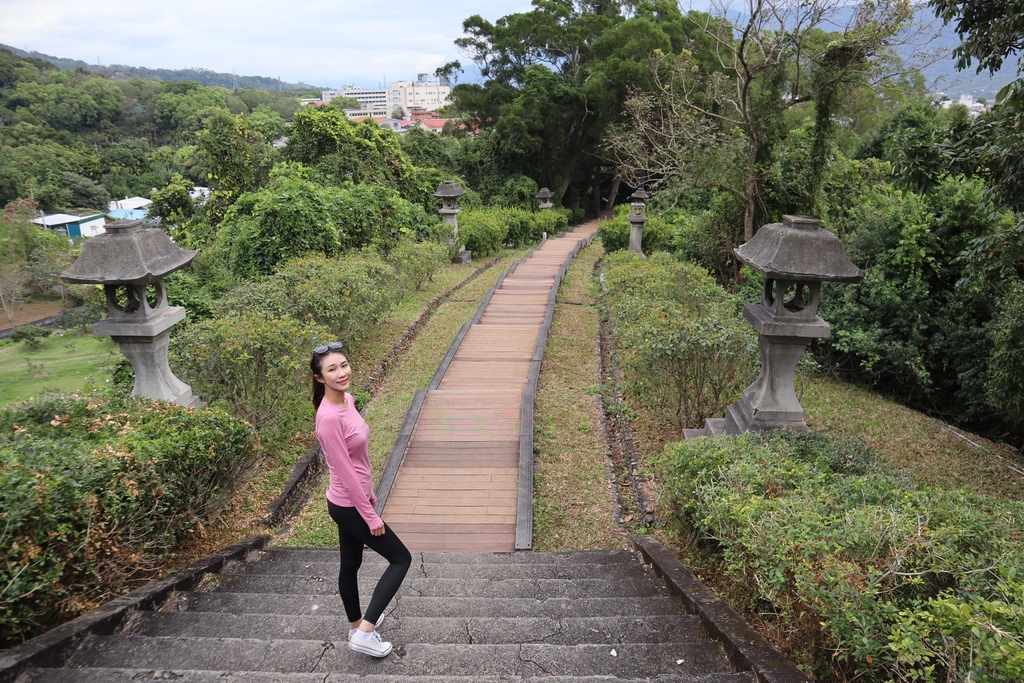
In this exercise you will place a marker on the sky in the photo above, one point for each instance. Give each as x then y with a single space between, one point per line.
321 42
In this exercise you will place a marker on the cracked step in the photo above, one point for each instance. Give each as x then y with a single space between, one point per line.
412 606
469 588
662 628
110 675
490 571
280 553
638 660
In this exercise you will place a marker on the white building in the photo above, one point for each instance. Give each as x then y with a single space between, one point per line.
974 107
73 226
426 92
130 203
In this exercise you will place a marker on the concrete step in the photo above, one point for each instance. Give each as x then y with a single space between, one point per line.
108 675
660 628
432 607
490 571
498 588
280 553
632 660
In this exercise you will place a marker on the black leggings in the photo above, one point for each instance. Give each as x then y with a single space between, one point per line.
353 534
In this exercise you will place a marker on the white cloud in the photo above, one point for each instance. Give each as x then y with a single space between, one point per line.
317 41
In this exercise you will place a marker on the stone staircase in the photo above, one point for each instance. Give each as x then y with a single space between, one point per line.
273 614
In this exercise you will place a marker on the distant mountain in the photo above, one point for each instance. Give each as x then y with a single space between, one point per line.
942 76
201 76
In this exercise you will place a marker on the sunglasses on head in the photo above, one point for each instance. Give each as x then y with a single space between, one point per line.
333 346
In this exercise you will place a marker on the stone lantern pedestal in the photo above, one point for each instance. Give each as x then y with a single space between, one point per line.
794 257
449 192
637 218
130 261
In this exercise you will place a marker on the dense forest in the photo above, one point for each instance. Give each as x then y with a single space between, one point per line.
205 77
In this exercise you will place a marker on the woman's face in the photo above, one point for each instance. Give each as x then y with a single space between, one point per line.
335 372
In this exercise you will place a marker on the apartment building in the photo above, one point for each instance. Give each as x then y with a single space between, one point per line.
425 92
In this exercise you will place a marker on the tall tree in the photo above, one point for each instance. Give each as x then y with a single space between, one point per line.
718 127
555 77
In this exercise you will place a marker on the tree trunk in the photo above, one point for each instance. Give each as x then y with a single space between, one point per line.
614 192
563 185
749 199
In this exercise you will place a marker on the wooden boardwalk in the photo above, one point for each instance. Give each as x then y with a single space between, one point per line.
460 477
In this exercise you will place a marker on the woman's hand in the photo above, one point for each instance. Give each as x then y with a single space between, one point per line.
378 531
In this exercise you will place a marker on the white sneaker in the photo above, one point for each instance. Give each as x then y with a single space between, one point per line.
369 644
352 631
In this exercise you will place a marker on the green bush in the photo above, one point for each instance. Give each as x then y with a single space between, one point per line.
614 234
347 295
918 325
483 231
870 578
523 228
289 216
415 263
379 216
90 486
1005 387
255 363
80 317
30 335
553 221
685 349
518 191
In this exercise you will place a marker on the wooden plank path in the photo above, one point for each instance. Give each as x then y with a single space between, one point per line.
460 477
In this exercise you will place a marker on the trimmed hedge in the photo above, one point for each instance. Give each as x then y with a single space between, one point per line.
684 348
257 363
95 491
348 294
483 231
614 234
415 263
870 578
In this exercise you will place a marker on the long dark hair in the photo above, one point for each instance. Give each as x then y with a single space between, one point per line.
316 363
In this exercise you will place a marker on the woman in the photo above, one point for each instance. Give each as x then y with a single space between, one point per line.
343 437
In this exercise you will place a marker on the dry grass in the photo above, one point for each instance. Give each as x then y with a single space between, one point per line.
30 312
927 450
572 493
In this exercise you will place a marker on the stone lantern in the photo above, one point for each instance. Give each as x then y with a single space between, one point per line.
637 218
794 257
449 192
130 261
545 196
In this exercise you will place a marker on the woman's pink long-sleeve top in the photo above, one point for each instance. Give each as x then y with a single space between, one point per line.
344 435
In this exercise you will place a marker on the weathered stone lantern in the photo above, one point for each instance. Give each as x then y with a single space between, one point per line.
794 257
449 192
637 218
130 261
545 196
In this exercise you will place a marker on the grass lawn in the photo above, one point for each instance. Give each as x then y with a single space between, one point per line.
62 363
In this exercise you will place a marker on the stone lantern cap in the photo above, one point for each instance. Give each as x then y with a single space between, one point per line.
798 249
127 254
449 189
545 194
639 195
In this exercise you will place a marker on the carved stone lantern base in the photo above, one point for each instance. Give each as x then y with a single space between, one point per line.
145 345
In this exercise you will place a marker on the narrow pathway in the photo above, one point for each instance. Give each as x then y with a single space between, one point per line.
460 477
